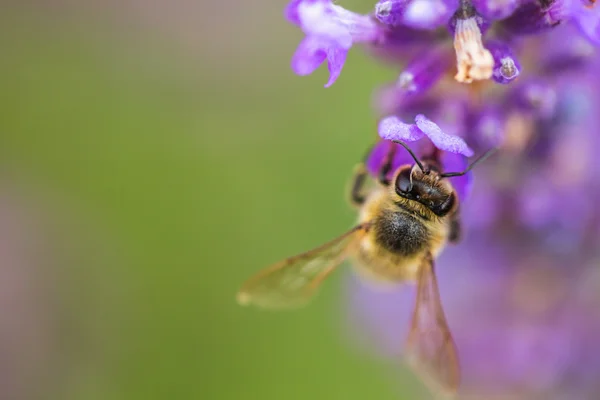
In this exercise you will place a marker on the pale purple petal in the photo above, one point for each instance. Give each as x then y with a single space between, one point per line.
441 140
309 55
336 57
321 19
588 20
532 17
429 14
392 128
291 12
496 9
377 155
330 32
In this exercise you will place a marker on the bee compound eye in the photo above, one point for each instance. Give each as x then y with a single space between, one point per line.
403 183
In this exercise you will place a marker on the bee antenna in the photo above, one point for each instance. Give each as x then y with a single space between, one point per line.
470 167
425 171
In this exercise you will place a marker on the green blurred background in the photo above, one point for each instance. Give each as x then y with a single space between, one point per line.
186 156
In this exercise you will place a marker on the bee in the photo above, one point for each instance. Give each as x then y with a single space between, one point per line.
403 224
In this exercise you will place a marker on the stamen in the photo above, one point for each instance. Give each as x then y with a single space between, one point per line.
508 70
406 82
383 9
473 61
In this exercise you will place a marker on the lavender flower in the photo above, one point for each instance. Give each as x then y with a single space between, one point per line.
521 290
391 128
522 75
330 32
492 41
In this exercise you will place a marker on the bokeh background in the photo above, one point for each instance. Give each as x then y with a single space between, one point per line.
154 155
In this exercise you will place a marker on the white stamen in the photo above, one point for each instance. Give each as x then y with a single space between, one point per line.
473 61
383 9
508 69
406 82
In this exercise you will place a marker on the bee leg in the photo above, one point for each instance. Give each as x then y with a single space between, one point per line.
357 195
382 176
455 229
386 167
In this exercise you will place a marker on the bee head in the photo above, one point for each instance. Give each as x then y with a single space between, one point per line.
425 186
424 182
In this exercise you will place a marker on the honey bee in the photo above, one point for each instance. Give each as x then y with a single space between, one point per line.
403 224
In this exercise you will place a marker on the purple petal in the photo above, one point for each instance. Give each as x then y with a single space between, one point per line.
402 38
330 32
291 12
429 14
308 56
322 19
506 65
377 155
442 140
588 21
532 17
332 22
336 57
391 128
311 53
495 9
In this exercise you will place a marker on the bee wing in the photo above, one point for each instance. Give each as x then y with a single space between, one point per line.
293 281
430 347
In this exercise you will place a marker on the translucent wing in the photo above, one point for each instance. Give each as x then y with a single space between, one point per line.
292 282
430 348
